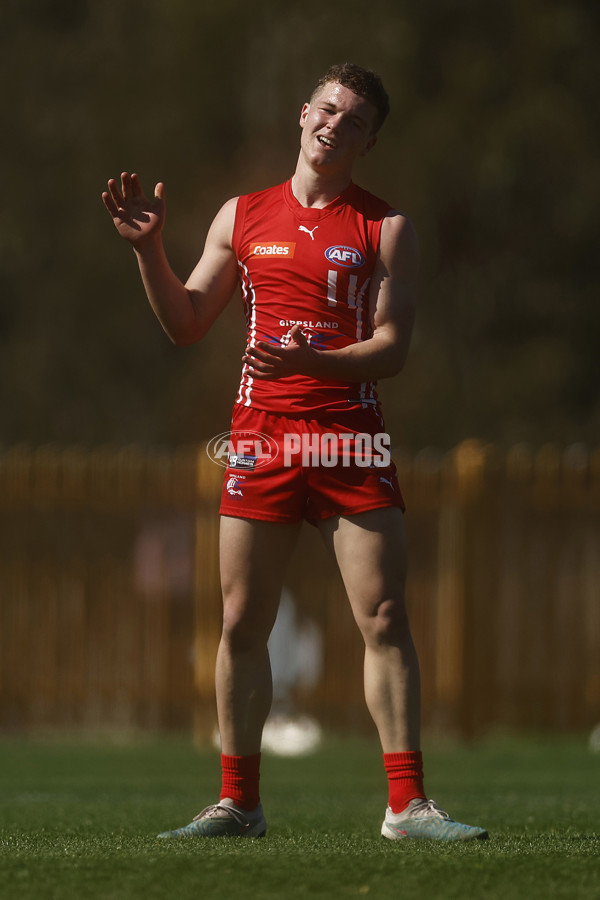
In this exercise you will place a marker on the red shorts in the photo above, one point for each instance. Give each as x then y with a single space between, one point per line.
282 469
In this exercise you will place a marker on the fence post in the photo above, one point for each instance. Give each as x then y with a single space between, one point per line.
461 484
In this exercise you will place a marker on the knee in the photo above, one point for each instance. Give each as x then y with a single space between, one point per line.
241 630
388 625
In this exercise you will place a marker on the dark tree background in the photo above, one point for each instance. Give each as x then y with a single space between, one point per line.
491 148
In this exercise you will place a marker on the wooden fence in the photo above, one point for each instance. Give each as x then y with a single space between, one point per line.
110 603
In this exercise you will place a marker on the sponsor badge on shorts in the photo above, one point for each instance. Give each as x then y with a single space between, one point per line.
241 462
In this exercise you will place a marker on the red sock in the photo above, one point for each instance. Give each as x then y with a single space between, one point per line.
405 778
240 777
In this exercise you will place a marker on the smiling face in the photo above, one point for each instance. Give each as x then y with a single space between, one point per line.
337 127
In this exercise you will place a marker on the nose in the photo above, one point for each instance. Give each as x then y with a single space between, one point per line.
333 125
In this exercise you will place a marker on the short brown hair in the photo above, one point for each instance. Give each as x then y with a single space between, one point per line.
363 82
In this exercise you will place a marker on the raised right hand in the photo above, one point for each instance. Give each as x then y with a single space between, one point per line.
135 217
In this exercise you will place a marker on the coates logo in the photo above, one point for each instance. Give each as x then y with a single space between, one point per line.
345 256
247 450
269 249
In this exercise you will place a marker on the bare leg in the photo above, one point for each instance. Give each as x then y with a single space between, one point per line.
370 549
254 556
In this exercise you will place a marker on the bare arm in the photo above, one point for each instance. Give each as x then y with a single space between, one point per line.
392 301
185 311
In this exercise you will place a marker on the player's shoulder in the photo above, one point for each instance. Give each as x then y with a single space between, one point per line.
399 240
229 209
368 203
260 205
398 223
274 193
224 219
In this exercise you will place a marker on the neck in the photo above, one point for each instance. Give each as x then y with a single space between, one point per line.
317 189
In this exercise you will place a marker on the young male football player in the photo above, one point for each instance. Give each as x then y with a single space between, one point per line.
328 278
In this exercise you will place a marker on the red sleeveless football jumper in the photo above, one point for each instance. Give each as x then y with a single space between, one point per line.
313 268
310 267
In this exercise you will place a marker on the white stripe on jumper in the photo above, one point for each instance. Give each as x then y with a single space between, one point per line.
249 298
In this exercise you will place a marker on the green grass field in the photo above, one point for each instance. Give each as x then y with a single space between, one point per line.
79 821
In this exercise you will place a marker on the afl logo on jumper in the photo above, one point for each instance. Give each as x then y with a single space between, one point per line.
348 257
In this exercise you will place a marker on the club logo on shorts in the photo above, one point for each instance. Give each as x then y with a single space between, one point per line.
348 257
247 450
233 486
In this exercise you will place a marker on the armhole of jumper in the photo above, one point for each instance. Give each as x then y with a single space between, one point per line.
238 225
377 226
376 235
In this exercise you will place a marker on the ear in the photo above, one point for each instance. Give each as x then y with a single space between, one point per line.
369 145
304 114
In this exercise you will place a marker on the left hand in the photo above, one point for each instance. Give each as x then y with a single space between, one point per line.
269 362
